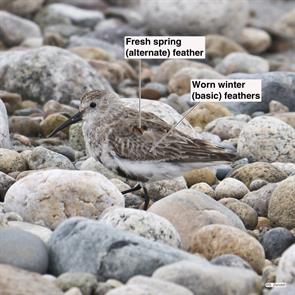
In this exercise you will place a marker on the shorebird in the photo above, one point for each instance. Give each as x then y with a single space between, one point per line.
148 153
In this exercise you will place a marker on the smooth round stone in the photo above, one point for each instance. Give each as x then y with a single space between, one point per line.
286 267
154 90
86 282
259 170
83 245
259 199
42 158
11 161
286 24
68 76
76 138
223 171
4 127
197 207
257 184
11 100
218 239
24 125
239 62
277 107
205 113
18 281
230 188
288 168
22 249
247 214
92 53
212 279
276 241
255 40
144 224
204 188
231 261
200 175
273 137
51 122
5 183
281 208
53 106
51 196
218 46
14 29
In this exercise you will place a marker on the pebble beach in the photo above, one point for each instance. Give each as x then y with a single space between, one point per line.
65 226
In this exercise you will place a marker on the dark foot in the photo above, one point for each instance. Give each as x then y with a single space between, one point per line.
146 196
133 189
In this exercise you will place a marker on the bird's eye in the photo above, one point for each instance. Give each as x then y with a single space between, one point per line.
92 104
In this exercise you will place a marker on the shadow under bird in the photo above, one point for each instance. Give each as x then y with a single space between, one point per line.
152 152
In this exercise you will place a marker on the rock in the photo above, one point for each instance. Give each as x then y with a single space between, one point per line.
179 17
73 291
15 281
281 211
238 62
230 188
14 30
288 118
4 127
197 207
162 110
54 195
259 199
180 83
76 137
228 127
52 106
42 232
92 53
24 125
11 161
55 73
141 285
275 85
206 175
247 214
205 113
75 15
276 241
145 224
86 282
170 67
204 188
257 184
51 122
273 137
285 271
108 252
22 249
288 168
263 223
255 40
277 107
11 100
218 239
5 183
154 91
231 261
286 24
288 290
211 279
218 46
104 287
258 170
42 158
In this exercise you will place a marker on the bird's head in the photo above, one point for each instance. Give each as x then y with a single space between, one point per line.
93 103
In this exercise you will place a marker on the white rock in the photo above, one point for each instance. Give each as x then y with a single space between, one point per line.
286 267
288 168
49 197
267 139
142 223
230 188
4 128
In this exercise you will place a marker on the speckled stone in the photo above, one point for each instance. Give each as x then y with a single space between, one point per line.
11 161
230 188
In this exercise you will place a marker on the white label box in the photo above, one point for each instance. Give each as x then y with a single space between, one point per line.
229 90
164 47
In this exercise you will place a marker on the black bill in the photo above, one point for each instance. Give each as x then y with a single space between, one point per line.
74 119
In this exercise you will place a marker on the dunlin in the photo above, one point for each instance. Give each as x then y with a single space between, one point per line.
149 153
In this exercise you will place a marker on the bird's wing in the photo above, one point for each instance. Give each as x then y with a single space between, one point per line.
130 142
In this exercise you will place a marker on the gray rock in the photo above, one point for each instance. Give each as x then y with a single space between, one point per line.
17 7
288 168
286 267
14 29
52 72
81 245
211 279
42 158
288 290
23 250
86 282
267 139
259 199
275 85
5 183
142 223
4 127
176 17
76 138
231 261
240 62
49 197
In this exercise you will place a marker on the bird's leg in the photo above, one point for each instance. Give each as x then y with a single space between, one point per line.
137 187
